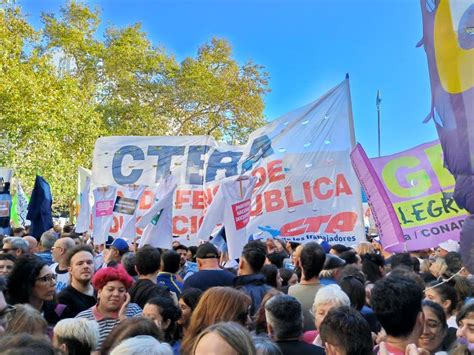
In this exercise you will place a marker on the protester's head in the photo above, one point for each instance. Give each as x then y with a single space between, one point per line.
454 264
165 313
111 284
401 259
182 251
207 256
191 254
60 248
364 248
26 319
435 327
76 336
48 239
188 300
443 294
116 250
170 261
337 249
373 266
26 344
15 246
224 338
327 298
253 258
332 268
344 331
129 328
147 260
272 275
7 261
311 260
128 263
18 232
32 243
31 281
288 277
446 247
394 296
351 258
260 321
217 304
142 344
465 321
355 289
438 267
80 261
265 346
284 317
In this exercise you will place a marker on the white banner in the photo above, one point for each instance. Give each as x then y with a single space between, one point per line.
6 174
306 190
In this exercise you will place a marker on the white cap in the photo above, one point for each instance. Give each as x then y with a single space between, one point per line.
450 245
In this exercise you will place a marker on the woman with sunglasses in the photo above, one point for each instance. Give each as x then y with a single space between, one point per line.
32 282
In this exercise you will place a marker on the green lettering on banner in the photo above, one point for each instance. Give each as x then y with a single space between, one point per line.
427 210
422 179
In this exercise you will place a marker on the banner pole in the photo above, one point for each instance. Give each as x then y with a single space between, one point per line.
349 109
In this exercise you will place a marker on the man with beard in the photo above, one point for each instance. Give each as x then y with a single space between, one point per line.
79 295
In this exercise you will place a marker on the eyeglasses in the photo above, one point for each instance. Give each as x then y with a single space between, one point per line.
47 278
6 250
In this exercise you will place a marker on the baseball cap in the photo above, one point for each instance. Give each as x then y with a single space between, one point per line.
333 262
450 245
207 251
120 244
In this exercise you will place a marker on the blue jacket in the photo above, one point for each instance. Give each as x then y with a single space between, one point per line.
39 208
170 281
254 286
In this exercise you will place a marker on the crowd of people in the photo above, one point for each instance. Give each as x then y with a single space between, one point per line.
64 295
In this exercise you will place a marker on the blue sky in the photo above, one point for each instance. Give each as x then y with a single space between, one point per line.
306 47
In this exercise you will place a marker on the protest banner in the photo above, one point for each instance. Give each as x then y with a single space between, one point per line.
410 194
306 188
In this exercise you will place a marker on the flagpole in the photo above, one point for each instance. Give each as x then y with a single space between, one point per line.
377 103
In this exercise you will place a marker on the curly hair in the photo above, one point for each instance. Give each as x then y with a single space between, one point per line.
23 277
107 274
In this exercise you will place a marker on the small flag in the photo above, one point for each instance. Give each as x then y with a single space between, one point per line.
21 204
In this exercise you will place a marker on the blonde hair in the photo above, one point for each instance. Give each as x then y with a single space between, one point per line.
364 248
81 330
233 334
26 320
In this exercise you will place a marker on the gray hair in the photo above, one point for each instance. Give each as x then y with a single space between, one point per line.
82 330
142 344
330 294
17 243
266 346
48 239
285 315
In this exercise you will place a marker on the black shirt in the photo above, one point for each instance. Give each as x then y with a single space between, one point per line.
205 279
75 302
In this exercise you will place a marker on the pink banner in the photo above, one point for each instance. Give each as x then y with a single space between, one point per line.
410 194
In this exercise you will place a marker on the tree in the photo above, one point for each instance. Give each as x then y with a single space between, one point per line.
63 86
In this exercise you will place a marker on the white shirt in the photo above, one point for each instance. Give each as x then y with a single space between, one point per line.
63 277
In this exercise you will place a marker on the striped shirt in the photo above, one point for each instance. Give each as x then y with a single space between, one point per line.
107 324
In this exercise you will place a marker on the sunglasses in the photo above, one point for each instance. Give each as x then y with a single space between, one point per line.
47 278
6 250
